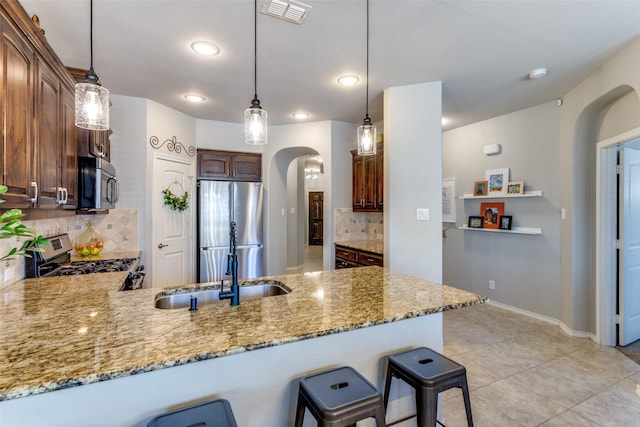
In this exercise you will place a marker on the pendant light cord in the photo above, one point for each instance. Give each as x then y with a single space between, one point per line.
255 49
91 32
367 97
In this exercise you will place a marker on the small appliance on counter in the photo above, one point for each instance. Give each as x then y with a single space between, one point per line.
55 260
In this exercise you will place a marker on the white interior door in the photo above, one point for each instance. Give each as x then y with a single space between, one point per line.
173 235
629 254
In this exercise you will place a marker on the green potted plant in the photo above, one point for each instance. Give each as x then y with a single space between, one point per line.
11 226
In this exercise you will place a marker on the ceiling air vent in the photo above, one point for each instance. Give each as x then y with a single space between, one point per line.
288 10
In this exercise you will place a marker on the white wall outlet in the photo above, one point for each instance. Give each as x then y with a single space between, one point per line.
422 214
563 213
284 211
492 284
293 211
8 273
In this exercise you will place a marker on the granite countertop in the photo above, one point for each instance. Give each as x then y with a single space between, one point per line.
67 331
375 246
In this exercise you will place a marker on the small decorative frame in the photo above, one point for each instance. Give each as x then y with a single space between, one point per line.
476 221
497 179
515 187
480 188
491 212
505 222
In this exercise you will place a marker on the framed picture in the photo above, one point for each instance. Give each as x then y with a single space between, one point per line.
491 212
515 187
448 200
505 222
497 179
480 188
476 221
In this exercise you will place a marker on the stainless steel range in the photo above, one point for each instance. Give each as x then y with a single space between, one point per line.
54 260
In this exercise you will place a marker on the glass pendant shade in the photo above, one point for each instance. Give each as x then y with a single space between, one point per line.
255 126
366 138
92 106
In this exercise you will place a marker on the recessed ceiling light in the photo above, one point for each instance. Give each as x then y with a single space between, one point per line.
348 80
538 73
300 115
194 98
205 48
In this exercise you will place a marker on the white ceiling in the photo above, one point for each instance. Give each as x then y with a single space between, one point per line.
481 50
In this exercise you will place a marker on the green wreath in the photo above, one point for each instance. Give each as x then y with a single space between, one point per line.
176 203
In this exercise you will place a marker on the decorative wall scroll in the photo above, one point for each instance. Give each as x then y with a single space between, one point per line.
172 145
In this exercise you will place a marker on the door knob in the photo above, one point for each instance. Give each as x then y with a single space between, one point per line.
162 245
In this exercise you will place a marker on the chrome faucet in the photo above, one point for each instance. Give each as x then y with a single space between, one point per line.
232 268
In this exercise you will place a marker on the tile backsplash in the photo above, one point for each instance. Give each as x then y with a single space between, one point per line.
118 228
358 225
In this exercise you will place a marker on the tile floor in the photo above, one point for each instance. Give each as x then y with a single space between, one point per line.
312 260
526 372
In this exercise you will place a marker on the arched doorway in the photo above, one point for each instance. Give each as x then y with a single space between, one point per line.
288 226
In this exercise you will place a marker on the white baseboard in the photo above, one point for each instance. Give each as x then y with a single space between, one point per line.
564 328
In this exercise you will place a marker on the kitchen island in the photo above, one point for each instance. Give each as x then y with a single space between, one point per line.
75 351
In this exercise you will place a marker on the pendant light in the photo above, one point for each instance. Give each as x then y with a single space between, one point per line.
92 100
255 118
366 138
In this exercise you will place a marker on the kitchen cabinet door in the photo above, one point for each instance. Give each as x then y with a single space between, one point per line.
16 108
214 165
69 155
380 177
246 167
48 136
364 183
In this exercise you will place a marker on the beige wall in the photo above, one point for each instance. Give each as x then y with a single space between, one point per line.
581 125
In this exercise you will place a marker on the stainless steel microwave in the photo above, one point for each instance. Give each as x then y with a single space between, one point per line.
98 187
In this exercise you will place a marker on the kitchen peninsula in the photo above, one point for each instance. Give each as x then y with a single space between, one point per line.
75 351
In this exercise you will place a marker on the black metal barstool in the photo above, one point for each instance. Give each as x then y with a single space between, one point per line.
216 413
429 373
339 397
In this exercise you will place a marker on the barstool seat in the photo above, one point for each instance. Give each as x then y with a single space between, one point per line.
429 373
216 413
339 397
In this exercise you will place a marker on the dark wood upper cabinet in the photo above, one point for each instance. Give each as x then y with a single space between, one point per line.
48 136
39 143
367 181
16 80
229 165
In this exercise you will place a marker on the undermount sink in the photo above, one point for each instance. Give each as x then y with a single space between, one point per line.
248 291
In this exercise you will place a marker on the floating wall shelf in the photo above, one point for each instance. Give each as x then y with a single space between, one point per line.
533 193
514 230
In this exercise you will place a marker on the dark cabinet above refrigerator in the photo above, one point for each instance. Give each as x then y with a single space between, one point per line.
229 166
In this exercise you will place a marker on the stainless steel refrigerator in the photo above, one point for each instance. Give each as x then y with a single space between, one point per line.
219 203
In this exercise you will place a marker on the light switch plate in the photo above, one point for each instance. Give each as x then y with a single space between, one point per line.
8 273
422 214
